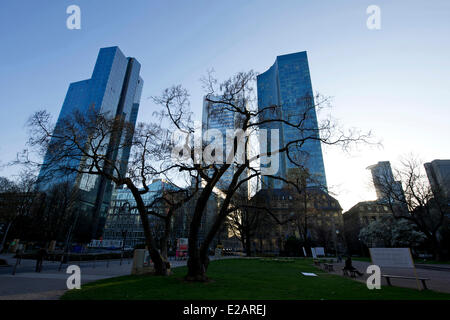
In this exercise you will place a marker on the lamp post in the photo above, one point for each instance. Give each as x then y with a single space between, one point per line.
336 244
124 230
361 246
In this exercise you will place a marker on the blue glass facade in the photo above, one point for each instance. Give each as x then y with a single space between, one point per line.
287 84
216 116
114 89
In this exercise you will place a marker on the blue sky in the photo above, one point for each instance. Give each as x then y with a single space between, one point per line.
394 81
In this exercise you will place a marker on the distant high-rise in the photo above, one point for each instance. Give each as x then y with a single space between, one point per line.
384 182
218 117
113 90
287 84
438 172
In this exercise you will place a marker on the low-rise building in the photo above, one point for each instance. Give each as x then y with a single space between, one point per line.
124 223
358 217
314 216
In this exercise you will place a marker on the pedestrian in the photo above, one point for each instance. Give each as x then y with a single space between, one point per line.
42 253
19 255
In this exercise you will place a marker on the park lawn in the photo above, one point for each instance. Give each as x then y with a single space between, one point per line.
363 259
245 279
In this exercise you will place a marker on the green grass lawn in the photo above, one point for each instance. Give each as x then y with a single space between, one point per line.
259 279
364 259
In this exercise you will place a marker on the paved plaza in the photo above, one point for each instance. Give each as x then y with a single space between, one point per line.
50 284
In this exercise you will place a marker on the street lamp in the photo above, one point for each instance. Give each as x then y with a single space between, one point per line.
361 246
124 230
335 243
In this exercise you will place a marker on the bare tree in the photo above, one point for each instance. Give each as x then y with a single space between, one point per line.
58 212
247 219
88 144
8 212
416 202
300 179
16 200
235 96
6 185
169 200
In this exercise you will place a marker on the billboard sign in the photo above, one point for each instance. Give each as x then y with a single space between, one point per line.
392 257
320 251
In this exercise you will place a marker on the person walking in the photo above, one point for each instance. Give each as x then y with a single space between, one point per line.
42 253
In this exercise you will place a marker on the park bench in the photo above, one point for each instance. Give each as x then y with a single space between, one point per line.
389 277
328 267
349 273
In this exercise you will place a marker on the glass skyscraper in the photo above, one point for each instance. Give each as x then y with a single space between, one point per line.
113 90
384 181
438 173
219 117
287 84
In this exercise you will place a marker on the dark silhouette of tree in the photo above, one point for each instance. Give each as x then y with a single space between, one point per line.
416 203
235 96
85 144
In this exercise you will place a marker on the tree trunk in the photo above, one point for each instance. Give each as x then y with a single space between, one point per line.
197 267
437 250
195 264
5 235
165 238
204 259
198 255
248 244
159 263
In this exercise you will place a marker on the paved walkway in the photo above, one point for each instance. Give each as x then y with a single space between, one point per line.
439 279
50 284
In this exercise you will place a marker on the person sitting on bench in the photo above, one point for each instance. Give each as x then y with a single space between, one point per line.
350 267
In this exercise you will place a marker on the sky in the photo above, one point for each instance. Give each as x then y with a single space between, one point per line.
393 81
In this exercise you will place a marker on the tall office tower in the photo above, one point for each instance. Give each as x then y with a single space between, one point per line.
218 117
287 84
438 172
113 90
384 181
